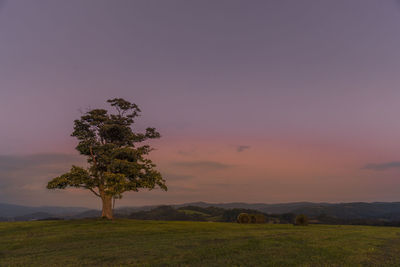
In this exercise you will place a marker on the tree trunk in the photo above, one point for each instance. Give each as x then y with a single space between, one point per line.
107 211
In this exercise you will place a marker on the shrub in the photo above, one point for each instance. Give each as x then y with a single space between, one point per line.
301 220
243 218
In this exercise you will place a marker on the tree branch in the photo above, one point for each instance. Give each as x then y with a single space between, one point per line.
93 157
94 192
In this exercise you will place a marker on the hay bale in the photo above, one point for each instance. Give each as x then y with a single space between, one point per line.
260 218
243 218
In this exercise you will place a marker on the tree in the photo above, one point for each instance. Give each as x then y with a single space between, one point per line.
116 161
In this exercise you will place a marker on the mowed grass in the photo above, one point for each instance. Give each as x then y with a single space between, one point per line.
158 243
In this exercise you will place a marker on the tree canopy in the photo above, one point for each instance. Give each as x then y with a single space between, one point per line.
116 155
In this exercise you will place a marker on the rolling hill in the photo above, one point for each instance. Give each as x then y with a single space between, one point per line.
385 211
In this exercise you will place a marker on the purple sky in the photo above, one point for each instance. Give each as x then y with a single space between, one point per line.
257 101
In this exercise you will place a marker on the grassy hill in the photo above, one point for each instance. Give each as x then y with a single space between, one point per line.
160 243
376 213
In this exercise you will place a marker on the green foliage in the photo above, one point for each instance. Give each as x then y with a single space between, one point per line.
76 177
243 218
301 220
117 162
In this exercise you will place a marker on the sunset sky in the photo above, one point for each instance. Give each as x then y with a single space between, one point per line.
256 100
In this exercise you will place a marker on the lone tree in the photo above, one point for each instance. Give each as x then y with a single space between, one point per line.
116 161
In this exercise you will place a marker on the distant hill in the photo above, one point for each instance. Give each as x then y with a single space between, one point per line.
331 212
11 210
196 213
35 216
267 208
86 214
353 210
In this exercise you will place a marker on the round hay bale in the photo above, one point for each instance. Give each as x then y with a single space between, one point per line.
301 220
243 218
260 218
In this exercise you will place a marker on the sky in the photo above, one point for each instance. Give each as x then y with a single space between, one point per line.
256 101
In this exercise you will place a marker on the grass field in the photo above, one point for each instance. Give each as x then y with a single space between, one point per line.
158 243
